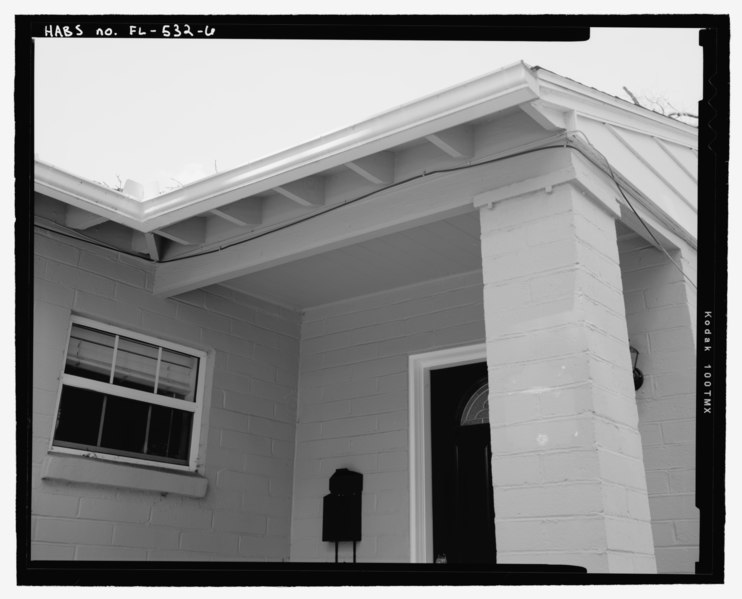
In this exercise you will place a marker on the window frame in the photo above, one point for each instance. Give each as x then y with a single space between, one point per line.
195 407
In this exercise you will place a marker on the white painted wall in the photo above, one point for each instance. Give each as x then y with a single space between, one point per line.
660 309
352 410
567 461
249 449
353 405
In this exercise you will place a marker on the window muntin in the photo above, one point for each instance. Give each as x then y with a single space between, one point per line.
129 397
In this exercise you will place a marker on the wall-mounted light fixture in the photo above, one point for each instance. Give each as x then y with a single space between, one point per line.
638 375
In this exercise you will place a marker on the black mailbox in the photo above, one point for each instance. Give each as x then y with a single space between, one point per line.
341 513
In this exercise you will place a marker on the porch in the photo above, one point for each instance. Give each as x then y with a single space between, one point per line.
325 292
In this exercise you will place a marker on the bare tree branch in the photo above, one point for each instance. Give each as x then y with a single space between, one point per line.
688 114
659 105
632 96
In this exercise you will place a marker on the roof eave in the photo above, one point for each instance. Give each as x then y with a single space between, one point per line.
497 91
87 195
505 88
510 86
625 111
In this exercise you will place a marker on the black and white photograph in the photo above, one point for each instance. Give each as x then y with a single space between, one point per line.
370 299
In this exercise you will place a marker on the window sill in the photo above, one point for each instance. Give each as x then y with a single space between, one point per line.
101 472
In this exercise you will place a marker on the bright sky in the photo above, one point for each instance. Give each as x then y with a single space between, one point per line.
163 112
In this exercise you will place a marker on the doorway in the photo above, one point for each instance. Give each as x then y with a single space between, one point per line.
420 461
463 505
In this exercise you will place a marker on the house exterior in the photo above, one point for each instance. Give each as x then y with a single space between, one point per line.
205 360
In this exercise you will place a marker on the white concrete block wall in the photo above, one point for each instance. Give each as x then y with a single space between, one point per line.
353 406
249 452
660 309
566 453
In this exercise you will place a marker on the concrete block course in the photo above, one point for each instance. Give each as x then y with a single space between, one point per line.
210 542
90 552
686 532
109 265
662 328
565 499
674 559
242 522
573 337
143 298
249 341
353 383
46 504
625 534
76 531
113 511
53 248
586 470
71 276
164 514
52 551
51 293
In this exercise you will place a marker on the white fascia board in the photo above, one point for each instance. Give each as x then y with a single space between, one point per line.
86 195
486 95
592 103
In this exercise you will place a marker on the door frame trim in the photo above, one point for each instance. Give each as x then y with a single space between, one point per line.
421 496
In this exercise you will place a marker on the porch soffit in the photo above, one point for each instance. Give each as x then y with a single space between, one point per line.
512 109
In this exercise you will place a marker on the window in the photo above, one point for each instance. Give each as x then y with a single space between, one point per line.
129 397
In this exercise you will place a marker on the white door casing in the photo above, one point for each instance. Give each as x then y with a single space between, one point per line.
421 498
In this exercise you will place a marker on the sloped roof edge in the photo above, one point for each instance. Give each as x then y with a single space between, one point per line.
509 86
680 129
86 194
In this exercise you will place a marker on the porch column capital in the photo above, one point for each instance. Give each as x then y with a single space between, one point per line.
575 170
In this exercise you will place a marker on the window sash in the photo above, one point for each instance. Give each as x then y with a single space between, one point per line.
72 380
124 459
128 361
105 452
106 328
192 403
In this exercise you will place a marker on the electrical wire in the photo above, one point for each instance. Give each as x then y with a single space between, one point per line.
612 175
359 198
315 214
91 241
606 168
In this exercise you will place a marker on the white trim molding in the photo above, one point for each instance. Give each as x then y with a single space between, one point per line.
421 499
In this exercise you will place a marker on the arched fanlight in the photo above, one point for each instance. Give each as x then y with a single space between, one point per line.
476 410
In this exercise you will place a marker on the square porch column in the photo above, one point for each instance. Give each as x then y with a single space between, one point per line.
567 466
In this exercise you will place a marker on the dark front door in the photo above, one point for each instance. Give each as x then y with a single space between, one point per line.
463 506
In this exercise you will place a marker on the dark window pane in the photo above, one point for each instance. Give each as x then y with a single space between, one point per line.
169 433
79 415
89 353
124 424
